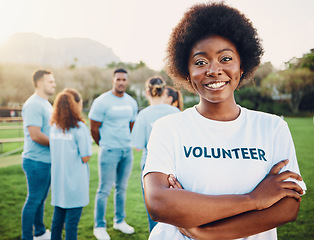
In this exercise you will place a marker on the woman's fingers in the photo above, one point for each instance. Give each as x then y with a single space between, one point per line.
277 167
173 182
292 186
288 174
293 194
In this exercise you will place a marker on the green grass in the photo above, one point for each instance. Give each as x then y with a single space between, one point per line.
302 130
11 133
13 192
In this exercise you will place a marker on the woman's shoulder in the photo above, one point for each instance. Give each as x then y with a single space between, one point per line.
266 118
81 124
176 118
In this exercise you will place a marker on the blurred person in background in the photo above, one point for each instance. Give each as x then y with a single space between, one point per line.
71 149
112 117
36 160
174 97
156 94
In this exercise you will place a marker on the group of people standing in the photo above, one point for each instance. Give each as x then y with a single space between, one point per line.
214 171
58 146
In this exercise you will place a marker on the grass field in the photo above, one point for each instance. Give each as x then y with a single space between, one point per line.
13 192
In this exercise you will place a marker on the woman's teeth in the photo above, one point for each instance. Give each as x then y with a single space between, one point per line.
216 84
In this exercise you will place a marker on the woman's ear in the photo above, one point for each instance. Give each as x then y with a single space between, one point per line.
188 78
241 71
147 93
175 103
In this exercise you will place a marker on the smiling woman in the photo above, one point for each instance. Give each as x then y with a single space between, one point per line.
215 71
230 160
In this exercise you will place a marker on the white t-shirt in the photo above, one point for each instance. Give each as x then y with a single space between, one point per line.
215 157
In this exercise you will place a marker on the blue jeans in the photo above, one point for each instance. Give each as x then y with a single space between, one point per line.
69 217
38 183
114 167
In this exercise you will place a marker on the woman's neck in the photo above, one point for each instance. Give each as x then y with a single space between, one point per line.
155 101
223 111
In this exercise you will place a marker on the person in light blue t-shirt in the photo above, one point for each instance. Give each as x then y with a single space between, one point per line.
71 149
157 95
112 116
36 113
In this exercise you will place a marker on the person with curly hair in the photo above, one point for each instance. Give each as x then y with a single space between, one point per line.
218 170
71 149
156 94
174 97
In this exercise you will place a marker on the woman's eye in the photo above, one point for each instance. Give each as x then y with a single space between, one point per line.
226 59
200 63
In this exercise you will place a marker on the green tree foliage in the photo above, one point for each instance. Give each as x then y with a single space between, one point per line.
129 66
307 61
293 83
290 84
16 81
262 72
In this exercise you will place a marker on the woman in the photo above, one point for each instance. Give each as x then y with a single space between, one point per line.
174 97
155 93
70 147
230 160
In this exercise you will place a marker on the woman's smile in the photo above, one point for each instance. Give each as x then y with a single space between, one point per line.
215 69
216 85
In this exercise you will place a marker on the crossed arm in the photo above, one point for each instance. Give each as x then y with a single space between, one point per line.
272 203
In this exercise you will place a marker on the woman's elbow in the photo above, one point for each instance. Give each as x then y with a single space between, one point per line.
85 159
294 213
292 210
155 207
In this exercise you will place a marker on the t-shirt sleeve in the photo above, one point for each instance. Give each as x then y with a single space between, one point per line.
84 140
284 149
138 135
135 110
97 111
161 150
33 115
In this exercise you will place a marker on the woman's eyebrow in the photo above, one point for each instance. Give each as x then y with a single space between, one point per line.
225 49
219 51
198 53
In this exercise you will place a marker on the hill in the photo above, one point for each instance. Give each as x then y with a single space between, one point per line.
32 48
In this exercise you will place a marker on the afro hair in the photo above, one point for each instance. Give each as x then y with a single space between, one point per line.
204 20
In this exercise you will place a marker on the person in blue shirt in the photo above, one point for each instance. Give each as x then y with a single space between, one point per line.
36 113
71 149
112 116
174 97
156 94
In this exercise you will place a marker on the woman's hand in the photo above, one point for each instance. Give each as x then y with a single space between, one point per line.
274 187
173 182
189 232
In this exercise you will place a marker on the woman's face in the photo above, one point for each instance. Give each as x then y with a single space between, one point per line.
215 69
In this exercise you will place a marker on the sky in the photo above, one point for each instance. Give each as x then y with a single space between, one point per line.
138 30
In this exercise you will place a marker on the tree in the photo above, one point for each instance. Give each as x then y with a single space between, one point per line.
291 84
307 61
262 72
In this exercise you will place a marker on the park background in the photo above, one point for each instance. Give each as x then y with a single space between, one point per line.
83 46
